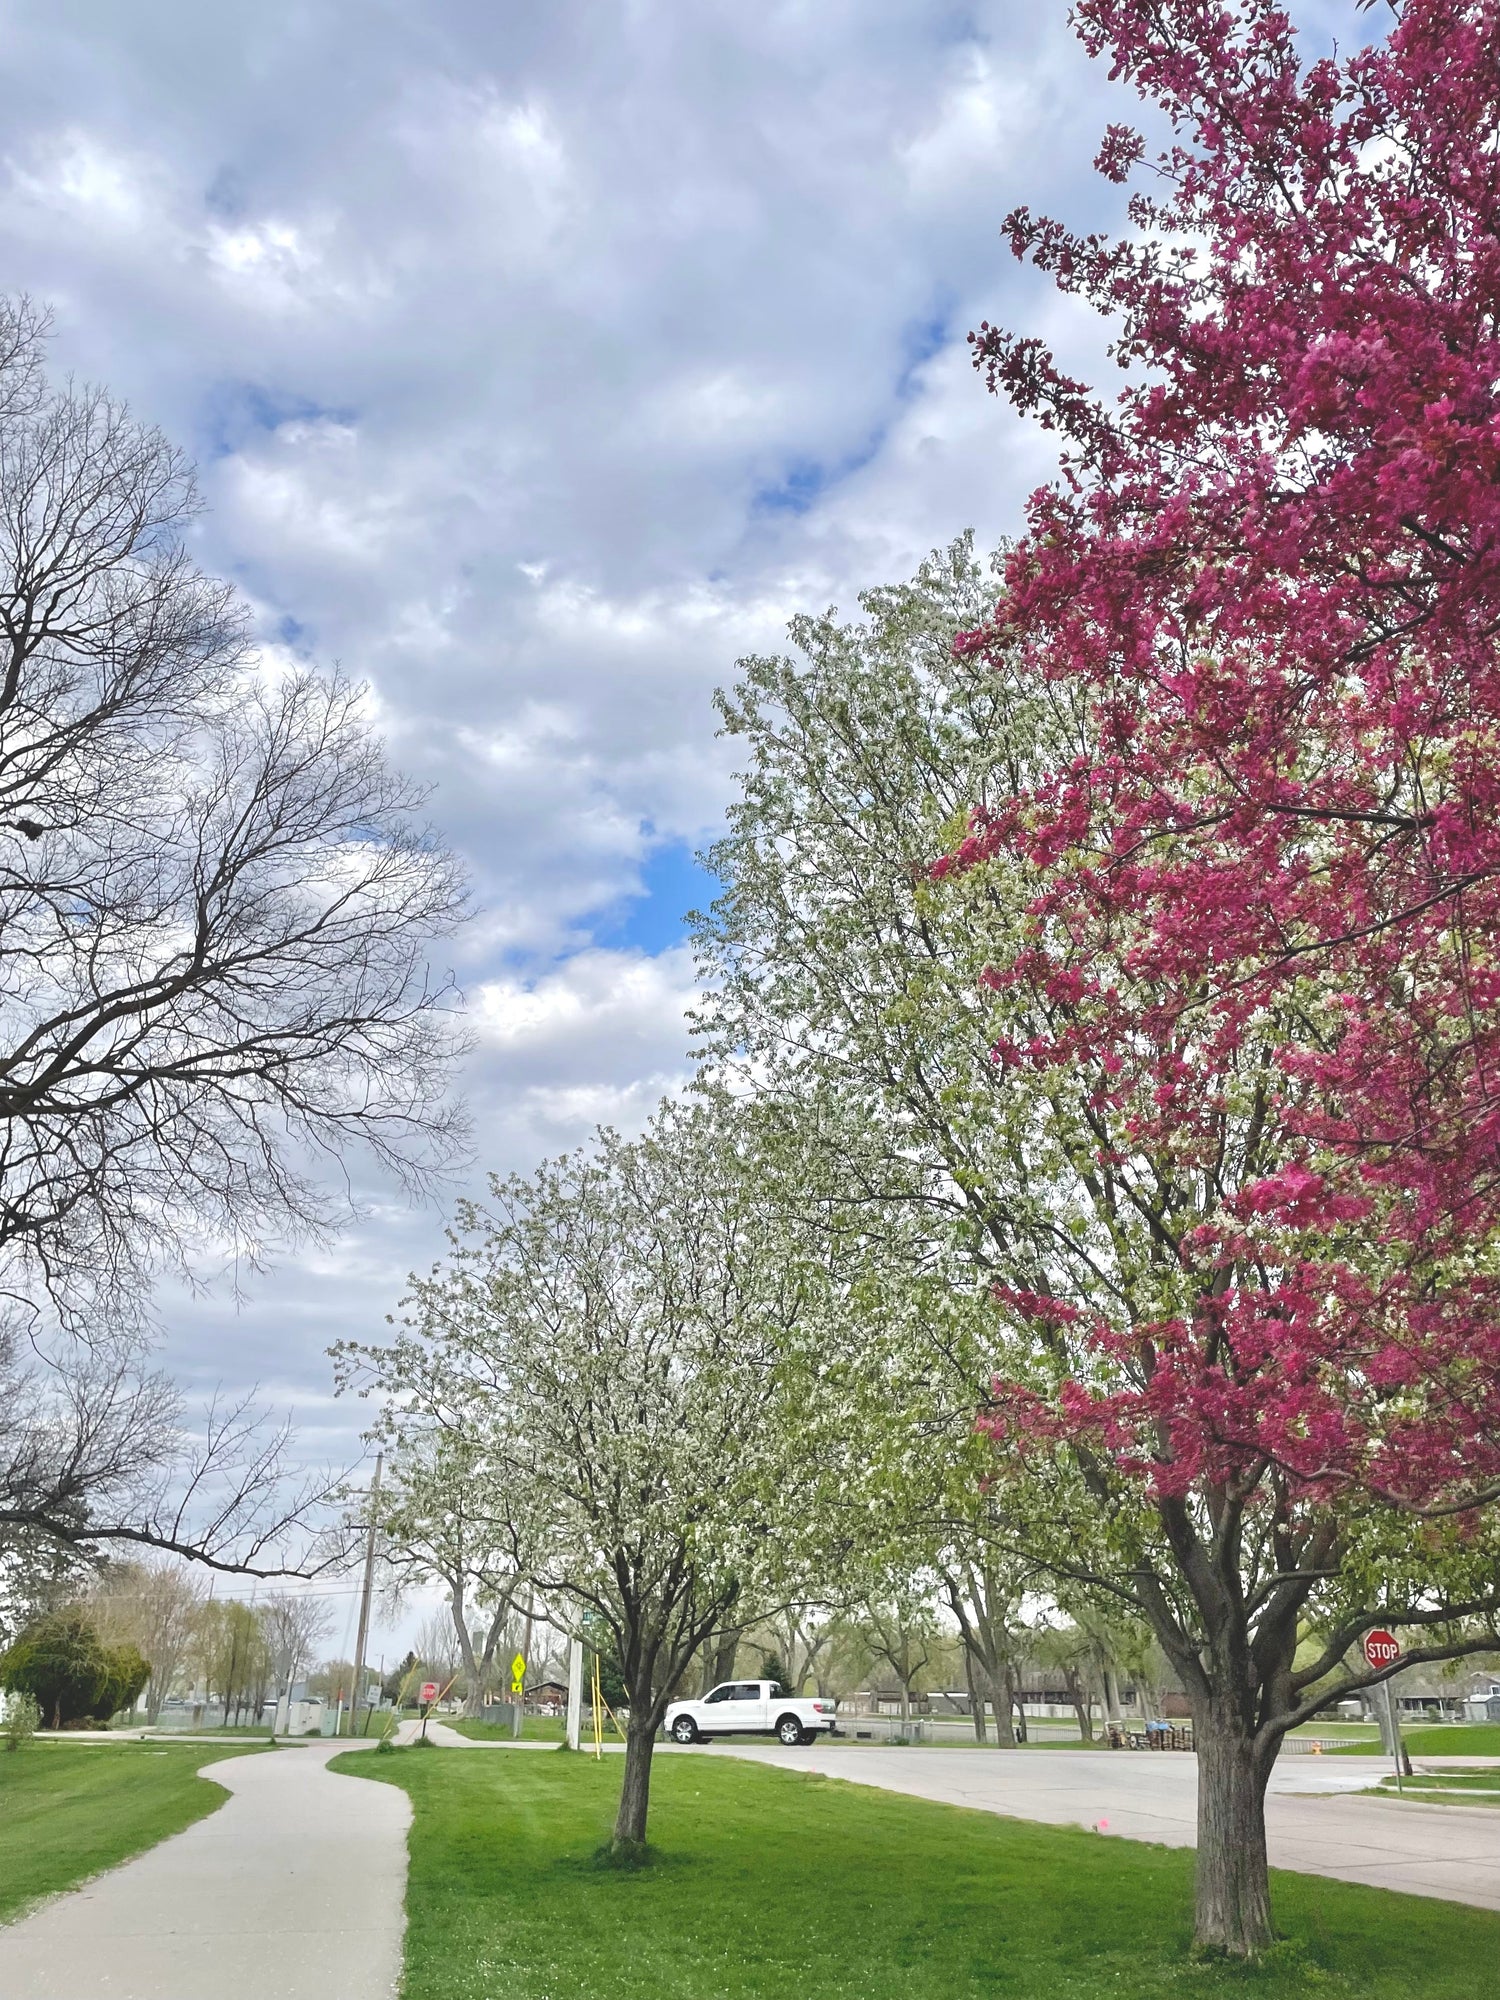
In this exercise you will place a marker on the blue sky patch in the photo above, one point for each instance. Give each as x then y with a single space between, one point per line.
672 883
238 411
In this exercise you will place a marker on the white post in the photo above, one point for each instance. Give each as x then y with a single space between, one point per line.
575 1694
1390 1709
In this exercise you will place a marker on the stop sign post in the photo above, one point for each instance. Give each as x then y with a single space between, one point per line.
1383 1649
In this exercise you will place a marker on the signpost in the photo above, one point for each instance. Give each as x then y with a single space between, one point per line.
518 1691
427 1694
1383 1649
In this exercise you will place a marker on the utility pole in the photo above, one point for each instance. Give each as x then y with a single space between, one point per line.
364 1598
575 1694
526 1656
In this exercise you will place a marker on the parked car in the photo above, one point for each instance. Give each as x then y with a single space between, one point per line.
750 1708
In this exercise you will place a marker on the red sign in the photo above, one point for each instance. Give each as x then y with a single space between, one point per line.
429 1693
1382 1649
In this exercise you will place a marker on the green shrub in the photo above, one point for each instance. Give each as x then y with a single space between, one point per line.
21 1716
62 1663
127 1672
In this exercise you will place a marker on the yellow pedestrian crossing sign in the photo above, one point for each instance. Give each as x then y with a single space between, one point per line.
518 1675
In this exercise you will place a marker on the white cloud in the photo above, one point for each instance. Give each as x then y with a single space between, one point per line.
541 361
595 1001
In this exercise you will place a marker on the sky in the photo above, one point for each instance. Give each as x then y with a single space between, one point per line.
540 361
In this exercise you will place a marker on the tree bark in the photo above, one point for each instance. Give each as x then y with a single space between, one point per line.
1111 1696
1232 1912
635 1793
719 1658
976 1697
1081 1701
1002 1702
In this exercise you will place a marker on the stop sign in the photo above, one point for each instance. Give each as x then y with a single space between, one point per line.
1382 1648
429 1692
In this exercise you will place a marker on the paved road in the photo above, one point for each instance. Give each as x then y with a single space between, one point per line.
292 1890
1313 1825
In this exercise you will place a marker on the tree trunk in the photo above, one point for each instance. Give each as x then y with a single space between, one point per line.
1232 1911
1082 1702
635 1793
1111 1696
1002 1699
458 1611
976 1699
718 1659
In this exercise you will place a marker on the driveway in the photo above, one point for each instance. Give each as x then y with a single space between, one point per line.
292 1890
1314 1824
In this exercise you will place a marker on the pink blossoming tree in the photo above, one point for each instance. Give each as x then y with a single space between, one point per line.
1256 1385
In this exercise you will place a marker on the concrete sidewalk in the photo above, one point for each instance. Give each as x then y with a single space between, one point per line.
1315 1823
292 1890
452 1739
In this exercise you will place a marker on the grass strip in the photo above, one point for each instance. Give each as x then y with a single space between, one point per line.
1436 1739
777 1885
67 1811
534 1729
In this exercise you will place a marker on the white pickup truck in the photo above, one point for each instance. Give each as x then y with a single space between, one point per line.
749 1708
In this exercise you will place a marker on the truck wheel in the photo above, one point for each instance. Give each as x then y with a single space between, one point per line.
789 1730
684 1730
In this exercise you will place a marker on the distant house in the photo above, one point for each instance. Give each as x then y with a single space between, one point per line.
1431 1691
1481 1701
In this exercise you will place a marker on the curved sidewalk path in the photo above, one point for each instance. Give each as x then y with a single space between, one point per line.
452 1739
292 1890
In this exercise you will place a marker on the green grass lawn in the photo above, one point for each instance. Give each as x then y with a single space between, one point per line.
1456 1781
1437 1739
534 1729
1475 1788
1350 1731
69 1810
778 1885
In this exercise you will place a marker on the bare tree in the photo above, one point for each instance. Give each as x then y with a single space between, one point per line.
295 1624
985 1601
155 1605
439 1527
216 898
97 1450
804 1633
437 1648
900 1632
